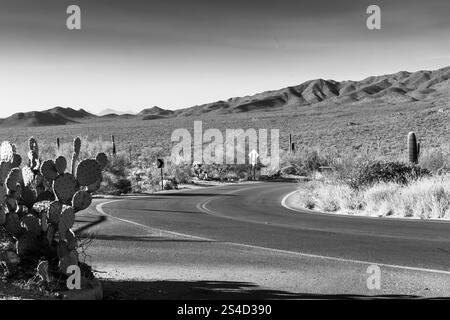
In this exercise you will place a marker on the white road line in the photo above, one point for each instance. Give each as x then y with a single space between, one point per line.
99 208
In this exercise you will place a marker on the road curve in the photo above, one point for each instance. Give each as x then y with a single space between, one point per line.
252 215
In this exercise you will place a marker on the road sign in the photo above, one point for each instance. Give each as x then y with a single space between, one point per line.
253 157
160 163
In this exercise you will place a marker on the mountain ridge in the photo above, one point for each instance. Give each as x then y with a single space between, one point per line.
400 87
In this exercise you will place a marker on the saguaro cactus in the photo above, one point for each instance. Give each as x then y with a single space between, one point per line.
76 153
113 141
413 148
291 144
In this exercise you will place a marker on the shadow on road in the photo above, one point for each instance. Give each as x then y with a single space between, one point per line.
210 290
88 223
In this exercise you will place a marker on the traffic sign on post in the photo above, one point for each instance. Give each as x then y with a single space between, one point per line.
160 163
253 157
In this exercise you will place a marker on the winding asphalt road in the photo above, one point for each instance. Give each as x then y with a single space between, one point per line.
247 234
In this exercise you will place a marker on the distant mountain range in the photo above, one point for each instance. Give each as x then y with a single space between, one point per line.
109 112
401 87
51 117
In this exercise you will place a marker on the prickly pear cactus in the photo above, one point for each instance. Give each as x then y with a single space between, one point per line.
38 202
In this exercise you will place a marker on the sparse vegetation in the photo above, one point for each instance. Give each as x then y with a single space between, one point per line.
424 198
381 187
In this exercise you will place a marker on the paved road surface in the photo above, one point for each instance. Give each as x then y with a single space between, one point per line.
238 241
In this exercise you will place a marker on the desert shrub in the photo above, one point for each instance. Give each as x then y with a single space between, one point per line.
329 197
437 160
225 172
368 173
145 180
181 173
381 198
123 186
305 161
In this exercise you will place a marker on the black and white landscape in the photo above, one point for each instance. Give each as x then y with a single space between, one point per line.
224 150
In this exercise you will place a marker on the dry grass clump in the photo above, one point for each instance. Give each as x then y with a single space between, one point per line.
426 198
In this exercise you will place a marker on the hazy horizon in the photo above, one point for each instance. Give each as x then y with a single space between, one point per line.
137 54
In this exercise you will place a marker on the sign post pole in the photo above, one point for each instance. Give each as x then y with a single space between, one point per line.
253 157
160 164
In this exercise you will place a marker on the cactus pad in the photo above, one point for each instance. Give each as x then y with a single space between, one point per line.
94 187
16 161
31 224
5 167
42 271
12 204
88 172
12 224
102 160
69 260
7 151
61 164
48 170
26 245
27 176
2 194
54 212
66 221
71 240
65 187
51 233
14 177
3 212
81 200
22 211
17 194
62 249
29 196
44 222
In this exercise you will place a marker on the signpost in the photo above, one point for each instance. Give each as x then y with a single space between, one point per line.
253 157
160 165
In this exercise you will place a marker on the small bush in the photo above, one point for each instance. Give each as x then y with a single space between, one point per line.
368 173
224 172
123 186
305 162
437 160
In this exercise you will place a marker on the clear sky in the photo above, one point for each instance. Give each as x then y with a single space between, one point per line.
134 54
